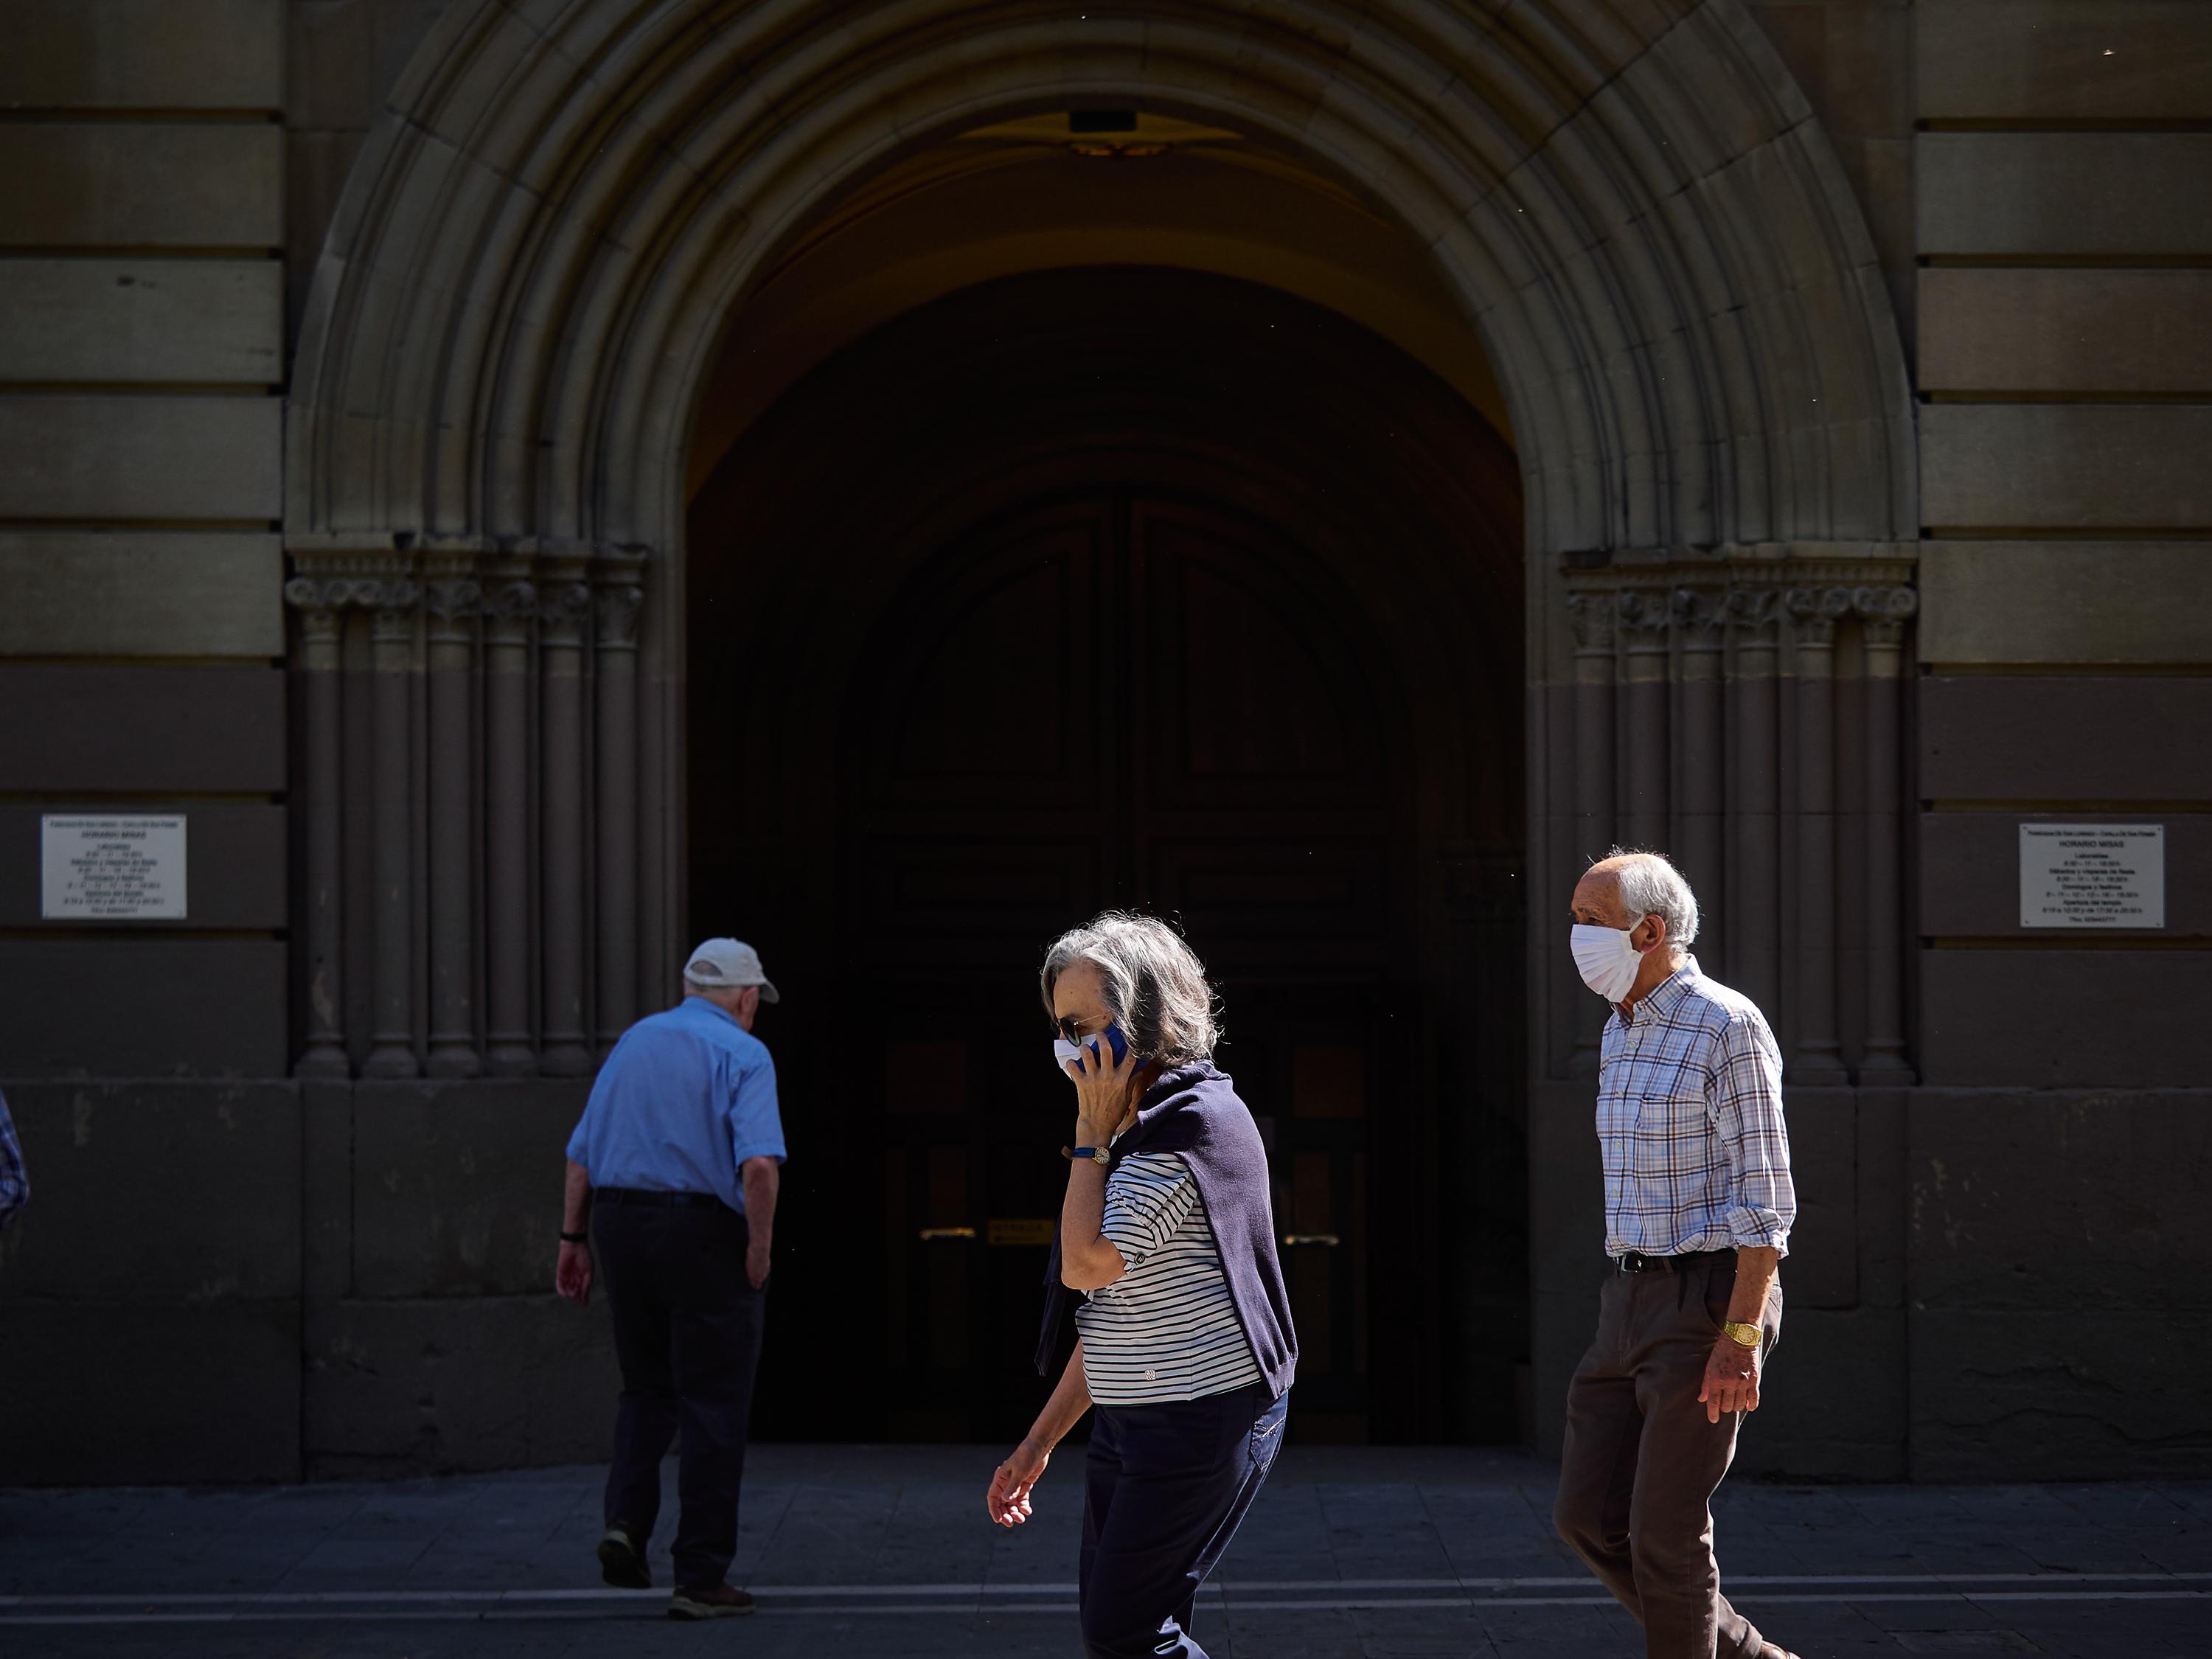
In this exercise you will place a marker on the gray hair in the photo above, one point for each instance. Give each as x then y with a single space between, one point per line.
1156 986
1650 886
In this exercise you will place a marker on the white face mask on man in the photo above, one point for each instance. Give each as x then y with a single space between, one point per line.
1606 959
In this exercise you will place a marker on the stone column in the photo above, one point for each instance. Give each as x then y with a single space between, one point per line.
564 609
1812 612
1884 611
508 612
452 604
1701 625
1591 616
1644 622
620 599
1756 894
320 603
391 1040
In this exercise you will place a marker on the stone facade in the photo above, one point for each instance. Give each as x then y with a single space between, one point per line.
1856 357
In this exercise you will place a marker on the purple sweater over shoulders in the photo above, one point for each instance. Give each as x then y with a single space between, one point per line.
1195 1110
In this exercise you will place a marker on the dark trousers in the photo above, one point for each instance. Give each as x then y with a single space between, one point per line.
1642 1463
1165 1490
688 1334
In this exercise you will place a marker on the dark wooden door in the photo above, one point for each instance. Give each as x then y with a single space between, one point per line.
1106 698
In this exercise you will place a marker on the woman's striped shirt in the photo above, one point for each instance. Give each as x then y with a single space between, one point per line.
1167 1329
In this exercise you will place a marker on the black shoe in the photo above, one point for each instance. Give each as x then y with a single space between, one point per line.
622 1560
709 1602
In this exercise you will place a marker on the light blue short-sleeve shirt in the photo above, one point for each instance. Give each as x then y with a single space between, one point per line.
686 1097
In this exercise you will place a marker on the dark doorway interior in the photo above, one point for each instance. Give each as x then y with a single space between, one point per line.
1137 588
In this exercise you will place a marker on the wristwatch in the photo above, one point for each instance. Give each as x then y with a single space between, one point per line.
1750 1335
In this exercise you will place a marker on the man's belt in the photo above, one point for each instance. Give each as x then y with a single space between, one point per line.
1635 1261
662 1201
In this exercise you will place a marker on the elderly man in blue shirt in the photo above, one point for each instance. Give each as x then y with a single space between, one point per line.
674 1170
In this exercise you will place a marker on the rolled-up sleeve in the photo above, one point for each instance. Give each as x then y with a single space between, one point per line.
1147 1200
756 1121
1747 1101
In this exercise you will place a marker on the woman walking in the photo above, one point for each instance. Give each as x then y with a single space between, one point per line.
1184 1341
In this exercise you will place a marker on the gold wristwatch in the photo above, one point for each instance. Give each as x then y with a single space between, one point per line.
1749 1335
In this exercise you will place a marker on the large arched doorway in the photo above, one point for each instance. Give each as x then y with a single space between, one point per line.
1126 586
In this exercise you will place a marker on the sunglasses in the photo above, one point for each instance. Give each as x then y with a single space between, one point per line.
1069 1034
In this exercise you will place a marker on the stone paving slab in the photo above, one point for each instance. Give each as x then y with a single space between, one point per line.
1351 1553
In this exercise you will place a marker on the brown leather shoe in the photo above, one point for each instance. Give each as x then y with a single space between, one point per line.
709 1602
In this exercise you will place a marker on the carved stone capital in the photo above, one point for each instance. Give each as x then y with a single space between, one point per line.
508 610
561 611
618 611
394 600
318 599
1755 614
1644 618
1884 611
1700 618
451 605
1813 612
1590 617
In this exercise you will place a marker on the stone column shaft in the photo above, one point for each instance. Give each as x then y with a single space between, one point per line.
321 712
392 1042
1643 619
1700 625
1755 929
509 612
1591 616
1885 610
619 603
452 606
1817 1056
564 613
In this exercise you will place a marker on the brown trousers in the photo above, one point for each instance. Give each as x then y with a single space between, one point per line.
1642 1462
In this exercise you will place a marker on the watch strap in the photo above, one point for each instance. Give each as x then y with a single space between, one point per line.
1087 1154
1749 1336
575 1239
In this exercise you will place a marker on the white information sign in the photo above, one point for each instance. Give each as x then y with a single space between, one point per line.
2092 875
112 865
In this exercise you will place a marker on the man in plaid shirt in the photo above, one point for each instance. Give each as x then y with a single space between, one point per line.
14 1185
1698 1209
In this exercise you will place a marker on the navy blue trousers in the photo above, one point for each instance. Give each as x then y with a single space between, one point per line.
1164 1491
688 1332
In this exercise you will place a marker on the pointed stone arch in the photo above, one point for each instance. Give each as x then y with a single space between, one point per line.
563 199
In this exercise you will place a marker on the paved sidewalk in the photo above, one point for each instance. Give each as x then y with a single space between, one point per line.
860 1552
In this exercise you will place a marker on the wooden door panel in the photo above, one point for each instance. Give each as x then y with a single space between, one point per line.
988 674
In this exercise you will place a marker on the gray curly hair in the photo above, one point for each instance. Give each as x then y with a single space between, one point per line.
1156 986
1650 886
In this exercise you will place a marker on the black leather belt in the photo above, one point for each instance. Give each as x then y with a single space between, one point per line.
1635 1261
663 1200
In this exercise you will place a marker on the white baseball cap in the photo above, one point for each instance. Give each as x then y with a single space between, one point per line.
728 964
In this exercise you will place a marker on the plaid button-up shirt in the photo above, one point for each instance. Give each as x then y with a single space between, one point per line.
14 1185
1689 1118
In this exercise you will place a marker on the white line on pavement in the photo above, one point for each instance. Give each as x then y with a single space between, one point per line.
1949 1584
507 1607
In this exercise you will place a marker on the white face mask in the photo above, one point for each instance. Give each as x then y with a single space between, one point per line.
1607 961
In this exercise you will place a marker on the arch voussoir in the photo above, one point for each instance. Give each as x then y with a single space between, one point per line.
549 226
